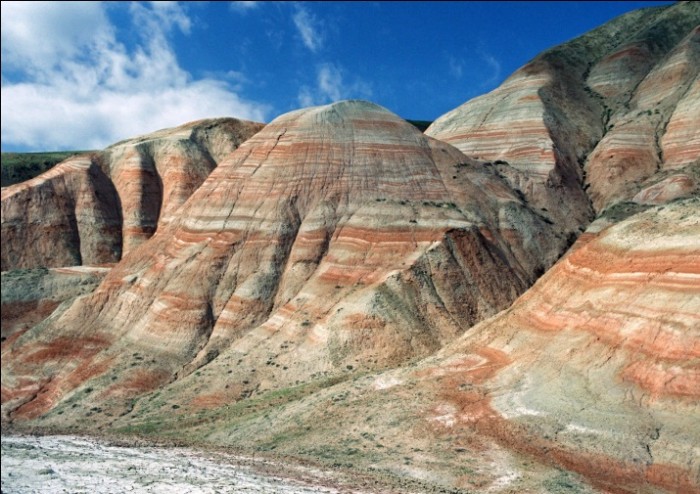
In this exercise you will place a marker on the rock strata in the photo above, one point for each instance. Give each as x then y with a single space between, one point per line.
67 216
589 382
599 357
31 295
601 113
92 209
337 238
261 293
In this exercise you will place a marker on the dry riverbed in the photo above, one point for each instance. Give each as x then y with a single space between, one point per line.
68 464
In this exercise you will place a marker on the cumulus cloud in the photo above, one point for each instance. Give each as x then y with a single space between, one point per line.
309 28
331 86
36 35
69 82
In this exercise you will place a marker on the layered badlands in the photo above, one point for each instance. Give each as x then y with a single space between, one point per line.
92 209
67 216
258 300
602 113
31 295
337 238
589 382
599 359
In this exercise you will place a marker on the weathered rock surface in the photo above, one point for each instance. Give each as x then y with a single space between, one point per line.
654 127
594 371
600 359
156 173
31 295
68 216
92 209
661 189
339 241
339 237
603 112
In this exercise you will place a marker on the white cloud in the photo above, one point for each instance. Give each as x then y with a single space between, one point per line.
49 120
244 7
77 86
331 86
330 82
38 34
306 97
493 65
162 15
309 29
456 67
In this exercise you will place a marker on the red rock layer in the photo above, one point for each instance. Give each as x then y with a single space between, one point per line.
603 100
617 74
29 296
673 187
340 235
678 66
478 128
514 126
597 367
626 156
339 238
93 209
156 173
67 216
656 127
681 142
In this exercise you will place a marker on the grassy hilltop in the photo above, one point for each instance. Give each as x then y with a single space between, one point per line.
18 167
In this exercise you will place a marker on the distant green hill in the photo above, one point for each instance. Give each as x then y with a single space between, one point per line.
18 167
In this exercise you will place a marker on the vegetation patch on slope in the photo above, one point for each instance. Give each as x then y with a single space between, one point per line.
19 167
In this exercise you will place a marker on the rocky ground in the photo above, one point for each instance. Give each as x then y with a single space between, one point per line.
58 464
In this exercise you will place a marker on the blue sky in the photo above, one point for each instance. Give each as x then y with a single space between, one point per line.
82 75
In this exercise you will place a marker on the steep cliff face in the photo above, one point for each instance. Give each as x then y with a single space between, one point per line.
92 209
603 112
339 237
67 216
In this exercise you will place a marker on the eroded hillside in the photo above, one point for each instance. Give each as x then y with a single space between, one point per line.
94 208
596 121
338 238
343 288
